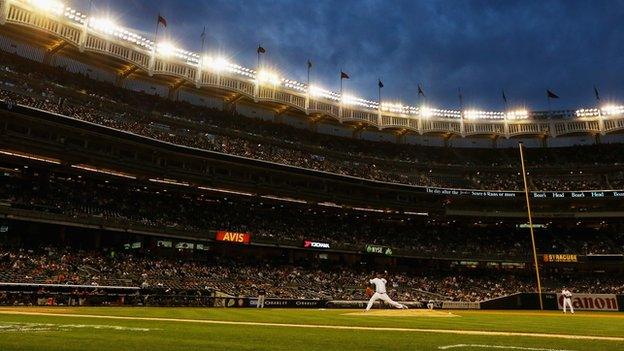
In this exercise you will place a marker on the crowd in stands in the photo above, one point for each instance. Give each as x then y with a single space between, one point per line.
75 95
200 214
280 280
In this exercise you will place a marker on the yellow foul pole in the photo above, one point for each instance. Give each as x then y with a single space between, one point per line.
528 204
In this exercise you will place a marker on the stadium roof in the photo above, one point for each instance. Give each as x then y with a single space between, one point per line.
167 48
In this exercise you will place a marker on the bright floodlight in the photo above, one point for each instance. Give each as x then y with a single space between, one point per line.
105 25
518 114
474 114
166 49
612 110
349 99
217 64
426 111
316 91
395 107
51 6
267 77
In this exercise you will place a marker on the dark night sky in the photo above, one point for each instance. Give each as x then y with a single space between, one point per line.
480 46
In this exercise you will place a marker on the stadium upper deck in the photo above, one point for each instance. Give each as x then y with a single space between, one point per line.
102 43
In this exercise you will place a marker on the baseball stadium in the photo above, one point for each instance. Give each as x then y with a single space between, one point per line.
155 198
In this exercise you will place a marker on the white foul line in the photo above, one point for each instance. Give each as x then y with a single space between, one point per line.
497 347
316 326
19 327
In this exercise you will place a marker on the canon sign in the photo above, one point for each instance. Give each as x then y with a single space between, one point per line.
591 302
315 245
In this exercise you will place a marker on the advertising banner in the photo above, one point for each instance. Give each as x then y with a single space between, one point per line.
203 247
233 237
164 243
565 258
460 305
533 194
308 244
591 302
273 303
378 249
183 245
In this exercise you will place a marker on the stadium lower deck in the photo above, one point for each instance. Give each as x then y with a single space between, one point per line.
156 329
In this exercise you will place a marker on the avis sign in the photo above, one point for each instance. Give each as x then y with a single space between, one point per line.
591 302
233 237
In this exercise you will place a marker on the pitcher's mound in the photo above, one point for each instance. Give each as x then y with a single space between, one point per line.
403 313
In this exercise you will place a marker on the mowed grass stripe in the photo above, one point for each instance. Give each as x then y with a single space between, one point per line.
584 314
333 327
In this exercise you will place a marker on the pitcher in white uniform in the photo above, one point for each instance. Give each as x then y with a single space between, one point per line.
380 294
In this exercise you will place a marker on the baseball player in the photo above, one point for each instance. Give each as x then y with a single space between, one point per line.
380 294
567 300
261 297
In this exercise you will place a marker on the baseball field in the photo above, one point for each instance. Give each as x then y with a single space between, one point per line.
156 329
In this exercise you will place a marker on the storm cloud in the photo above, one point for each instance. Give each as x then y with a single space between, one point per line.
523 47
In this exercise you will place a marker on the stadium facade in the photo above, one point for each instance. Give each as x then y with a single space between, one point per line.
50 32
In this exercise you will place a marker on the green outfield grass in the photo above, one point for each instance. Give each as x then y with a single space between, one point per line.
155 329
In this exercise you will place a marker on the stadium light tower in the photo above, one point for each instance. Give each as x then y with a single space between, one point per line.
105 25
51 6
528 203
425 111
166 49
267 77
216 64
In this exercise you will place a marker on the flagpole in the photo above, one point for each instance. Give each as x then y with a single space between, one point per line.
600 118
379 91
461 100
155 39
85 25
309 67
341 85
258 52
526 194
505 101
203 40
462 126
156 32
549 109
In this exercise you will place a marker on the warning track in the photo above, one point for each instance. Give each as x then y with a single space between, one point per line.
333 327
